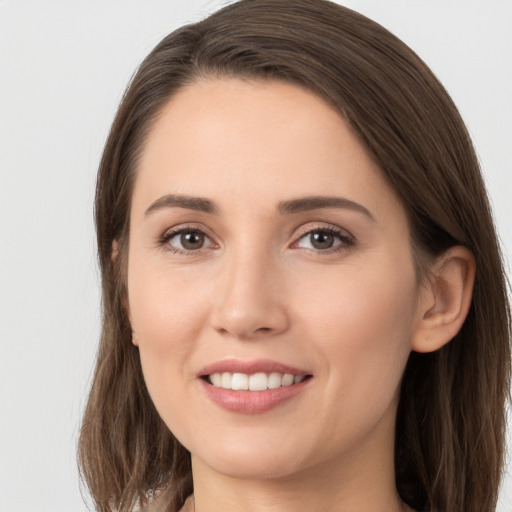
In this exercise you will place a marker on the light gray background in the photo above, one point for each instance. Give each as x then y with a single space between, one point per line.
63 68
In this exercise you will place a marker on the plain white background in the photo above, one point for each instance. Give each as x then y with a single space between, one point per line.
63 68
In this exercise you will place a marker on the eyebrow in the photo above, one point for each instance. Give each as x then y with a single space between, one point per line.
200 204
291 206
315 202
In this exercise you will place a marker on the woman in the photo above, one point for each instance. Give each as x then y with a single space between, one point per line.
304 303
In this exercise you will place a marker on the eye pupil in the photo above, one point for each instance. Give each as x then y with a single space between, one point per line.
322 240
192 240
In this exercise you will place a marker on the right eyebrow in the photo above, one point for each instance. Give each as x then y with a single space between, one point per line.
316 202
200 204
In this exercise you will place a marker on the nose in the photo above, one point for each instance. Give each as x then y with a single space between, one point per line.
251 300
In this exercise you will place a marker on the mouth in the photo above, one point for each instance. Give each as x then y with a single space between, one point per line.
252 387
253 382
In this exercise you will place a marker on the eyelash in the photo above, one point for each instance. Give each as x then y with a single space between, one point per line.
346 240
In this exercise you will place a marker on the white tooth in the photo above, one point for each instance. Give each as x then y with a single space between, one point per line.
274 380
298 378
240 381
258 382
226 380
287 379
216 379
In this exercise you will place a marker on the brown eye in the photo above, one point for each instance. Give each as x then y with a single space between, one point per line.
325 239
321 240
186 240
192 240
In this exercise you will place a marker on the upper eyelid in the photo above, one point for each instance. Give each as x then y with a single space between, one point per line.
180 228
304 228
325 227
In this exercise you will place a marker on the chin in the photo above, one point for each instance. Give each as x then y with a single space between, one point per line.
251 462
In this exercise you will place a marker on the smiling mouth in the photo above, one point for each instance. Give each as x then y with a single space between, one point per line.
254 382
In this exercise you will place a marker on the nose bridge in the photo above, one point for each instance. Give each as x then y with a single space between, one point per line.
250 302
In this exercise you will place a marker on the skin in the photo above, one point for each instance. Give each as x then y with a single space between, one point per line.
259 288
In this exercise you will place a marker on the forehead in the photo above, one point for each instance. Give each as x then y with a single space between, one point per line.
254 142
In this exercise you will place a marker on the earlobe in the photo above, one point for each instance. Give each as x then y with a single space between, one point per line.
445 300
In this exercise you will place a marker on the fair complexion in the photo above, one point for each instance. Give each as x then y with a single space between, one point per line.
262 230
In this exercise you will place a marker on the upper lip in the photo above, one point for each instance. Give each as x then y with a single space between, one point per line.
249 367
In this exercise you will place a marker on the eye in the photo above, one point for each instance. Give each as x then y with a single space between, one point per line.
186 240
324 239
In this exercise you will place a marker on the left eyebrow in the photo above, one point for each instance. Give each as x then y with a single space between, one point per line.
200 204
314 202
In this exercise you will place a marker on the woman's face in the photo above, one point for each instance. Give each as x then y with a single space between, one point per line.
265 243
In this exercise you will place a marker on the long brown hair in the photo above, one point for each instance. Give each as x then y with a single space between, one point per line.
450 424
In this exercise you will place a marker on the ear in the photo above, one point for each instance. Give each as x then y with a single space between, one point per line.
444 299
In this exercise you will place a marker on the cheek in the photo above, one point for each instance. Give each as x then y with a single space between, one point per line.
362 319
165 306
359 298
167 312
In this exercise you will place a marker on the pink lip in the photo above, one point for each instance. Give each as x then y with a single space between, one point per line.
251 402
249 367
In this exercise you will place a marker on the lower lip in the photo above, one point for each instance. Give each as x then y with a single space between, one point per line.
252 402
